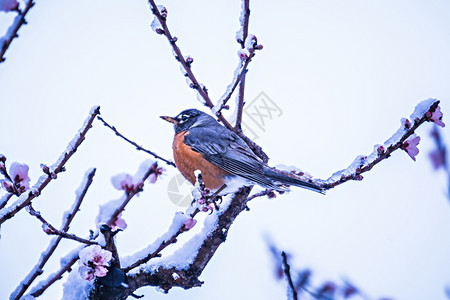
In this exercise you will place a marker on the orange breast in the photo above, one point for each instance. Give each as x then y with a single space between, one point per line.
188 160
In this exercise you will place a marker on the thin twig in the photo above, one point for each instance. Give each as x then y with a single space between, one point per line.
242 71
37 270
245 24
384 154
260 194
54 277
287 272
113 128
14 29
11 211
50 229
151 170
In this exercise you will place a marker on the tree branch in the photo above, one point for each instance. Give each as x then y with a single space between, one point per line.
6 41
287 273
364 164
188 277
50 229
45 256
244 25
25 198
113 128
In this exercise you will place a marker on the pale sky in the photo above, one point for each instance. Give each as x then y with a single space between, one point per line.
342 73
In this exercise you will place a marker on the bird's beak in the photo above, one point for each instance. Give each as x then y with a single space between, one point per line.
169 119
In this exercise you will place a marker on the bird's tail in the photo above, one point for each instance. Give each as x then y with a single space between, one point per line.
281 178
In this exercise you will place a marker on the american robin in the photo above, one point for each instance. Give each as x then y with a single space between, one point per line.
201 143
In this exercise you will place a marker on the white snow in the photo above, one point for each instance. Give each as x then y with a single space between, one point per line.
422 108
76 287
155 24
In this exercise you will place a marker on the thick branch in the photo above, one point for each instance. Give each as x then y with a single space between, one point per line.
6 41
25 198
45 256
113 128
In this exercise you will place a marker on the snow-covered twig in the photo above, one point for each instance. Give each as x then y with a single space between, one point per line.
45 256
400 140
244 19
50 229
26 198
113 128
6 41
238 77
153 169
292 293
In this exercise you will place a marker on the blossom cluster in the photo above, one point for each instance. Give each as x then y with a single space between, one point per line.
16 180
94 262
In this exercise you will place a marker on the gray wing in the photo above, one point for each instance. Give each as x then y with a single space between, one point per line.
225 149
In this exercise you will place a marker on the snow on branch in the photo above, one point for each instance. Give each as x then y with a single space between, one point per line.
19 20
404 138
67 219
50 172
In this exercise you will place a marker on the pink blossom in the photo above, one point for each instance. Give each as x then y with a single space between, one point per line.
410 146
437 157
8 5
93 261
125 182
119 223
154 176
19 173
86 272
436 117
189 223
20 180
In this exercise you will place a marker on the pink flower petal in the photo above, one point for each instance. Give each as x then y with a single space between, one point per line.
86 273
119 223
100 271
410 146
436 117
19 173
189 223
8 5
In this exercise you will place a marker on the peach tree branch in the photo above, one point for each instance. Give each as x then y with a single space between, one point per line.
13 30
45 256
26 198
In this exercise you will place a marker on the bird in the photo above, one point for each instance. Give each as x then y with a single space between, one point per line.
225 161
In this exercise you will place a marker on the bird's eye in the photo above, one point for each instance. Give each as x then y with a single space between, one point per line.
184 117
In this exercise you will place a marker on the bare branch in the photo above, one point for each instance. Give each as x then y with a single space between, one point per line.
287 273
113 128
6 41
50 229
45 256
25 198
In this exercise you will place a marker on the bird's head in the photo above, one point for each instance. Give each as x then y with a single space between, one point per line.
189 118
